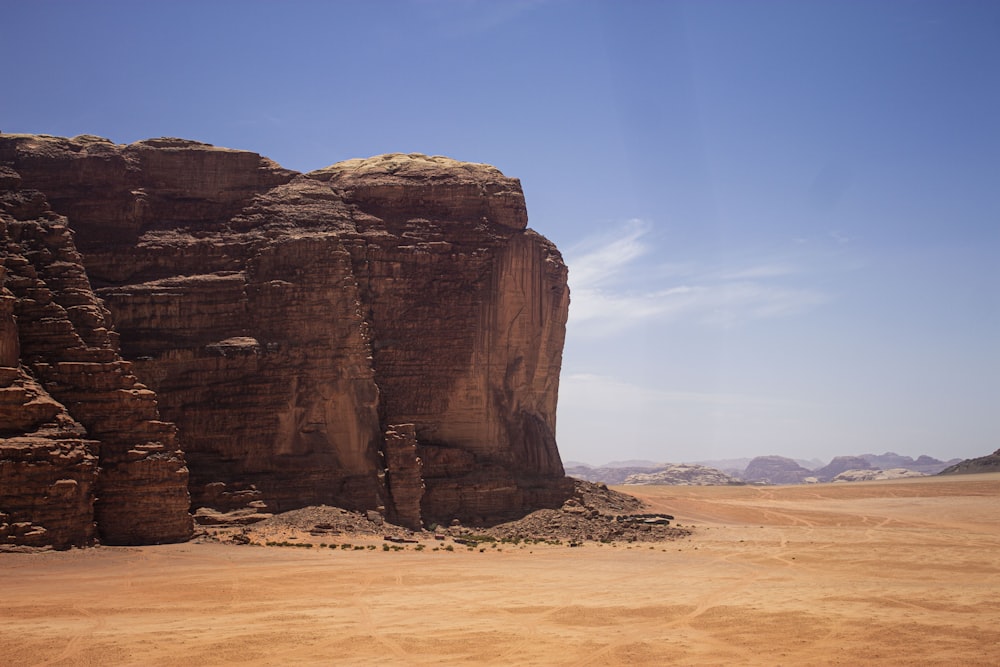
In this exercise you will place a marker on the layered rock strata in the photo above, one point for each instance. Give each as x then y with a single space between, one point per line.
72 405
48 468
289 323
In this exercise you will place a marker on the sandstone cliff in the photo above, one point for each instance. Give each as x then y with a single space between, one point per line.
383 333
71 403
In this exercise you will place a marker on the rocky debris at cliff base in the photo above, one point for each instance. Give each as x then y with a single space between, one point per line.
206 516
594 513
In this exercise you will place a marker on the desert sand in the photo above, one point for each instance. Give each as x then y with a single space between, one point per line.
905 572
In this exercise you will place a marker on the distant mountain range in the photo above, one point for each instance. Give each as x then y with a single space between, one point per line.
766 470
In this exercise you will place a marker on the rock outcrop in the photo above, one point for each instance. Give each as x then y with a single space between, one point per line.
684 474
923 463
775 470
988 463
48 469
609 474
288 324
867 475
840 464
72 403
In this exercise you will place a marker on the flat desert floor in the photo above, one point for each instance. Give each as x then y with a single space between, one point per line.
879 573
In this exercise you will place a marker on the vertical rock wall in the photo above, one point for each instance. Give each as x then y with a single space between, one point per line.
285 321
468 310
94 411
403 476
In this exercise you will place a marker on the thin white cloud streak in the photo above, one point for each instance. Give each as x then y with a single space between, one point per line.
605 301
603 258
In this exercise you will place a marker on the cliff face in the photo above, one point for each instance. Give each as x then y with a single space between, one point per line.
382 333
71 403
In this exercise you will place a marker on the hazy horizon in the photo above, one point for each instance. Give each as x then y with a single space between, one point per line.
810 463
781 219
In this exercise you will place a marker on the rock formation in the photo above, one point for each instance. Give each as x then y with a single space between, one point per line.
684 474
988 463
48 468
609 474
72 403
867 475
839 464
383 333
923 463
775 470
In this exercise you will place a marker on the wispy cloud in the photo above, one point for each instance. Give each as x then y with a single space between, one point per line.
602 259
618 281
840 237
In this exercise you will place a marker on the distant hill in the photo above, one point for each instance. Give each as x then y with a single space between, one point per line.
684 474
923 463
632 463
609 474
872 474
733 467
738 465
765 469
988 463
841 464
775 470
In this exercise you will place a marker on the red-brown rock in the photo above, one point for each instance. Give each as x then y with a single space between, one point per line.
284 321
72 402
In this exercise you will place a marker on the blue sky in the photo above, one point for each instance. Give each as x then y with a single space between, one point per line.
782 219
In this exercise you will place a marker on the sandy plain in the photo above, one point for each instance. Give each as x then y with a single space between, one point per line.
879 573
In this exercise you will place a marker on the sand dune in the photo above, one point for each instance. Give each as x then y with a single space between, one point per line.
889 573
